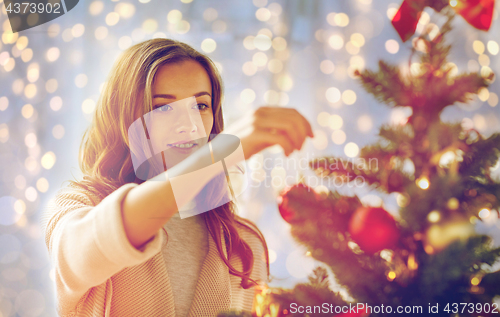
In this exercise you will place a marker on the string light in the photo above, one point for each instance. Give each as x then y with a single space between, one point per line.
434 216
484 213
391 276
423 182
412 263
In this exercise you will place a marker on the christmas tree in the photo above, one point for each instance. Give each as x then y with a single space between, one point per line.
429 259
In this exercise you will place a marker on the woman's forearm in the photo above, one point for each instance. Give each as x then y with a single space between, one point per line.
150 205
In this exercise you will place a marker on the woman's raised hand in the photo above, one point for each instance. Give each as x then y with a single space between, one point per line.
268 126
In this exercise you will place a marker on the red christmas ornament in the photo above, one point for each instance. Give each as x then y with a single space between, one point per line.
286 207
373 229
406 19
478 13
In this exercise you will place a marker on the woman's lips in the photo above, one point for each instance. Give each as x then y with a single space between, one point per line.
182 150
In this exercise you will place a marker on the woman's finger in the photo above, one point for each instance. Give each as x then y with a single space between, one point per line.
290 114
285 127
282 140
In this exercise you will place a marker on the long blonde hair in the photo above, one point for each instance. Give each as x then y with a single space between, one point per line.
105 158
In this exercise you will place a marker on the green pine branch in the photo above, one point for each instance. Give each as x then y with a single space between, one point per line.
386 85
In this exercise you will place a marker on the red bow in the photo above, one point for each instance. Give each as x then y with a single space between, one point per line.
478 13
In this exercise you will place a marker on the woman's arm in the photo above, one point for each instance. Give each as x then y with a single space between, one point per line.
87 243
149 206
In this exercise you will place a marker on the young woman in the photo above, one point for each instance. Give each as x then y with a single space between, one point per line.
117 241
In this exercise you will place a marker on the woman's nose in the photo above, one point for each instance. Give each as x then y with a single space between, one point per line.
186 123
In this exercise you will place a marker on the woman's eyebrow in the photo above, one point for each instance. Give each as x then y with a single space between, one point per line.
167 96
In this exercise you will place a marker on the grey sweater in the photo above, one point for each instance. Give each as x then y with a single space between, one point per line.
184 253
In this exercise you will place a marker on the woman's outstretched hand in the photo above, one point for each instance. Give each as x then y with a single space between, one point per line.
268 126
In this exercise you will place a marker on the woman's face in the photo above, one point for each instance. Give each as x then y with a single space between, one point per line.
182 110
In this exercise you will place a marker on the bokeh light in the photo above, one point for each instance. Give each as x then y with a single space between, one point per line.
275 66
96 7
56 103
327 66
42 184
112 18
88 106
247 96
4 103
335 122
208 45
478 47
493 47
285 82
392 46
338 137
349 97
263 14
341 19
48 160
333 94
365 123
27 111
210 14
493 99
58 131
336 41
262 42
351 149
357 39
320 140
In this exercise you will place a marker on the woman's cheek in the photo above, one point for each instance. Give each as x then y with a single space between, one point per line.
208 124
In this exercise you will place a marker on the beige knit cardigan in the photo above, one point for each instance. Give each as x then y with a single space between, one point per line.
99 273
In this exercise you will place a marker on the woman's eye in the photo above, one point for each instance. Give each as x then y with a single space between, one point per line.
202 106
162 108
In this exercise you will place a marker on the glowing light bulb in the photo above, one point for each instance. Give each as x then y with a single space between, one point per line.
423 182
434 216
484 213
474 281
391 275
